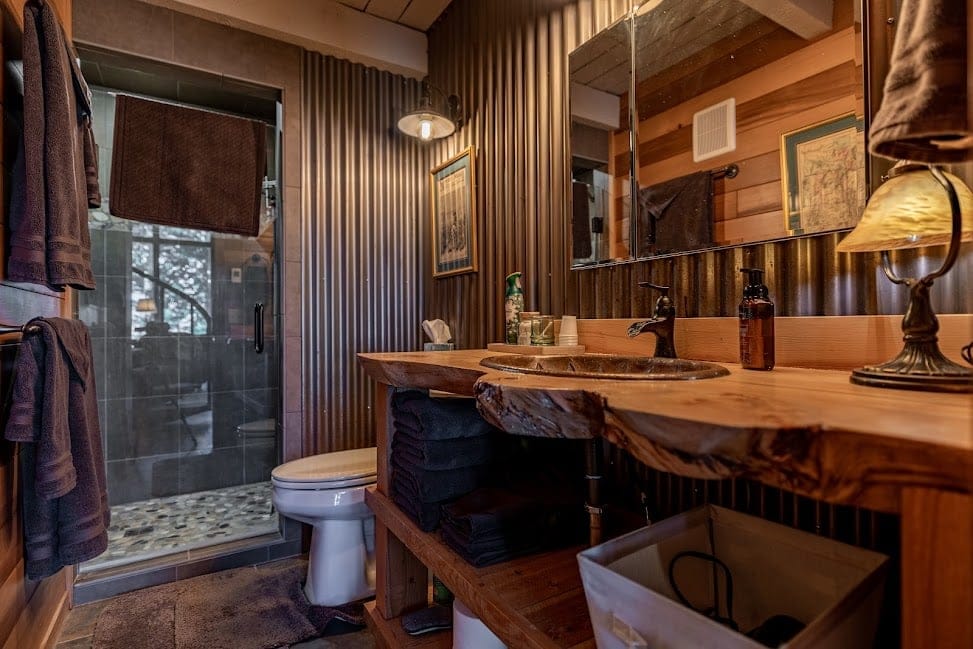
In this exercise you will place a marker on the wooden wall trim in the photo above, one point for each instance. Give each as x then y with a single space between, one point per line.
937 569
31 612
819 342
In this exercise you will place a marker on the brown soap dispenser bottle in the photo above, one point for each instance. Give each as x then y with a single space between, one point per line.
756 323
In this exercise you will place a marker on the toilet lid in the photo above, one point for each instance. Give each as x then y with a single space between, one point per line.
343 466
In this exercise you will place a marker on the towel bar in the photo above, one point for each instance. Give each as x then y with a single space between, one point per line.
730 171
22 329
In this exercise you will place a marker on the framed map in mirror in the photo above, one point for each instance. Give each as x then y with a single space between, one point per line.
823 178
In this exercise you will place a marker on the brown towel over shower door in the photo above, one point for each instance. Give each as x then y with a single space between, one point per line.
186 167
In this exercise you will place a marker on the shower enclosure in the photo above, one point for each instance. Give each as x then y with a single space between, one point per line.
185 353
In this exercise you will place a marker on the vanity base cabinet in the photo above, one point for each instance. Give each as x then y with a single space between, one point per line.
908 454
534 602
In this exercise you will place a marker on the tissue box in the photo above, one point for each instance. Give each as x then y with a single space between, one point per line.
438 347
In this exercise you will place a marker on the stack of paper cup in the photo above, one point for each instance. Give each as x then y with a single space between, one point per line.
569 330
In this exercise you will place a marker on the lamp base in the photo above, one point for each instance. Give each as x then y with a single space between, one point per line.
919 366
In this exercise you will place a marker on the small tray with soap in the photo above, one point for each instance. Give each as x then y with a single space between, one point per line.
536 350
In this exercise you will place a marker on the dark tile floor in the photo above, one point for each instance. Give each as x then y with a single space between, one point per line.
80 625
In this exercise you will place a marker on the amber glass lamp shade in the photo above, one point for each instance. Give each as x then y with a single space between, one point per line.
910 210
918 206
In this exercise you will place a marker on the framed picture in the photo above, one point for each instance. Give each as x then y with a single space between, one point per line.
454 216
823 175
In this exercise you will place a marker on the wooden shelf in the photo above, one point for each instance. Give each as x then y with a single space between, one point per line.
390 635
531 602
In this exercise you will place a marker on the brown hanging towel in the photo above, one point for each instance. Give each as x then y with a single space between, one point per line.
49 240
54 417
923 116
676 215
186 167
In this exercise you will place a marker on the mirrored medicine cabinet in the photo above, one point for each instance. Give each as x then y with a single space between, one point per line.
748 125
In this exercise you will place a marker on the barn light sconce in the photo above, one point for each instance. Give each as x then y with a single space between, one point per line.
432 120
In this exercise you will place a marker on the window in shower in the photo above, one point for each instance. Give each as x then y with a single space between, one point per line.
171 278
188 407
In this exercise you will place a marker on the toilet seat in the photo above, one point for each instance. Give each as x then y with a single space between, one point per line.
339 470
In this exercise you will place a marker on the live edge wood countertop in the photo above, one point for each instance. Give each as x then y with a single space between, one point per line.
808 431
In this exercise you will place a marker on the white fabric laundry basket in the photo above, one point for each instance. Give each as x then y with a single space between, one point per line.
833 588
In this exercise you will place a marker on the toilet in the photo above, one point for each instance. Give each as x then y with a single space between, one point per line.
328 492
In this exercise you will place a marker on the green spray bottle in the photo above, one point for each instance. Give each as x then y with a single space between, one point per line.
513 304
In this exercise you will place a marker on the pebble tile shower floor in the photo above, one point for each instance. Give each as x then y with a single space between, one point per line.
151 528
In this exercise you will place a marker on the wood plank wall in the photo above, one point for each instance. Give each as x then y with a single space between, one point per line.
804 85
30 611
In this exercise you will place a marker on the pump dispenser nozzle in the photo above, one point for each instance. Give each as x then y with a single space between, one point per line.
755 283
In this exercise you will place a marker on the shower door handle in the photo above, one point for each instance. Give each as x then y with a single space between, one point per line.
258 327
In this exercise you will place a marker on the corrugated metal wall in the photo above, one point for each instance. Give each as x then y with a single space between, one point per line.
507 60
364 192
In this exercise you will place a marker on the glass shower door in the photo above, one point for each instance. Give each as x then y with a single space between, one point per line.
186 360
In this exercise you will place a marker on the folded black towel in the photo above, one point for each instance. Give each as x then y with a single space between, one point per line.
448 453
509 547
437 486
491 525
425 515
501 539
488 557
438 419
493 511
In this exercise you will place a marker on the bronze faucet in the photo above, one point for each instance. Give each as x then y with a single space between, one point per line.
662 323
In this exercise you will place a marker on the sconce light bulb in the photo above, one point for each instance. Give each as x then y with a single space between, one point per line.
425 129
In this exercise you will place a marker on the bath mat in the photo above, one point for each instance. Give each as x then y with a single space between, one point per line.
244 608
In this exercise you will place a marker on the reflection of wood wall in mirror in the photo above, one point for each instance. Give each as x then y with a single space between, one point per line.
600 77
781 83
619 215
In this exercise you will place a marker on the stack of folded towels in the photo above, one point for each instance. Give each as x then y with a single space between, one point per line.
442 449
497 496
491 525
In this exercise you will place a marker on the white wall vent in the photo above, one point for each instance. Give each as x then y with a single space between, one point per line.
715 130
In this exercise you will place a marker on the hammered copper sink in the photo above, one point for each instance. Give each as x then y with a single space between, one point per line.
607 366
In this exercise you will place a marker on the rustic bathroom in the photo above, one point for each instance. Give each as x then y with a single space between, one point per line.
342 324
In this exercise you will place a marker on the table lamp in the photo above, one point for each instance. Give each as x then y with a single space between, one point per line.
920 205
924 118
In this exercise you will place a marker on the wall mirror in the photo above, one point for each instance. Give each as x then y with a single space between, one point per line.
748 125
601 159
